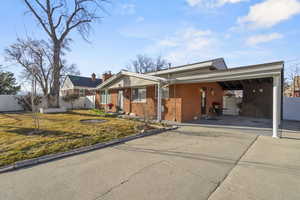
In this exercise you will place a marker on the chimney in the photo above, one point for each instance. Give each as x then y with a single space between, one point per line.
93 76
106 76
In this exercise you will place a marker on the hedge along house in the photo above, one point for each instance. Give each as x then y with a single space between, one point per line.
192 91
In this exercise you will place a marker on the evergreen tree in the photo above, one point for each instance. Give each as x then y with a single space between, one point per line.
8 84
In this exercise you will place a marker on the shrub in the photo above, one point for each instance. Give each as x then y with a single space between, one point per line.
25 101
71 98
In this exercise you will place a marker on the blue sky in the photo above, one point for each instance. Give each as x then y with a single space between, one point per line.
243 32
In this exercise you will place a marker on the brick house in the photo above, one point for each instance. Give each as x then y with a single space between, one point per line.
81 86
296 86
293 89
192 91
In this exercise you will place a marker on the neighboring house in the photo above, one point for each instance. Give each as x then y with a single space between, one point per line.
288 92
81 86
296 87
293 89
192 91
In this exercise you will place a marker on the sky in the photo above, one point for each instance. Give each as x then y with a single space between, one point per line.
243 32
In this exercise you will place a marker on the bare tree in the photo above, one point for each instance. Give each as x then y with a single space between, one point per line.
143 64
35 56
58 18
292 79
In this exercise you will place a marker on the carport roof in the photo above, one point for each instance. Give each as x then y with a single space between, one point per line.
239 73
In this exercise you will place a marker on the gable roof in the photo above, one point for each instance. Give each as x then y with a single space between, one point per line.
133 74
81 81
217 63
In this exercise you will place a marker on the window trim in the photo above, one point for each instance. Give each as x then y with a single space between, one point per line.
139 100
103 101
162 93
81 92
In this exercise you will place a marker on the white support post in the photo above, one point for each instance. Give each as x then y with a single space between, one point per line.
279 101
276 101
159 102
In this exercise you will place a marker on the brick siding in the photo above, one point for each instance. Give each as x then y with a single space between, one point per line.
183 105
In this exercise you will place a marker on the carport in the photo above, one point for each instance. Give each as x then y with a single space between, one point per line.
264 78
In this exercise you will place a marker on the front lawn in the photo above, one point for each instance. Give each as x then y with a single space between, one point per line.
59 133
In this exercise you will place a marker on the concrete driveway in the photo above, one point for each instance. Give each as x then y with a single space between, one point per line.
188 163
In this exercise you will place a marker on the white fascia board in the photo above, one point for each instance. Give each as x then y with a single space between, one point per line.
231 78
77 87
235 74
67 78
143 76
125 73
183 68
108 81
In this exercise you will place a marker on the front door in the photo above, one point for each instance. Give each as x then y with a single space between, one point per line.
121 100
203 101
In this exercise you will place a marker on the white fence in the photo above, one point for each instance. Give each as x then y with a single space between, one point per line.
291 108
10 103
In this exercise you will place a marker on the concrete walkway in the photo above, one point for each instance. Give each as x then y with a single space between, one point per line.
188 163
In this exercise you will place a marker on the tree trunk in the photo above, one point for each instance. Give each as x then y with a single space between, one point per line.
54 92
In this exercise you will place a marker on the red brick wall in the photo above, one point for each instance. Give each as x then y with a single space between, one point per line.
127 100
149 107
97 100
172 109
114 99
183 105
191 99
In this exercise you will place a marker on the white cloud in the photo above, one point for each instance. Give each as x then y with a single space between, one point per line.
140 19
127 9
212 3
263 38
187 45
270 12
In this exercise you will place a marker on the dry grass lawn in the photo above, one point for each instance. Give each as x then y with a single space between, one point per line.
60 133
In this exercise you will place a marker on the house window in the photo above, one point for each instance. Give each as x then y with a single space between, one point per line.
165 93
81 93
139 94
103 98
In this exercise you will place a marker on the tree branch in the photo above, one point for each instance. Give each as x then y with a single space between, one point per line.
38 17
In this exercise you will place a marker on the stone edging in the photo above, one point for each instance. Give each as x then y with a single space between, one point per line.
47 158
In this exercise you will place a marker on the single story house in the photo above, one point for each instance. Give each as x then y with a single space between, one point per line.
188 92
79 85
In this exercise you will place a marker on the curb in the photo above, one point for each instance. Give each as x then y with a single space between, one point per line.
50 157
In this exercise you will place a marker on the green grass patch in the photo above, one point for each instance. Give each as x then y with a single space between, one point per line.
103 113
59 133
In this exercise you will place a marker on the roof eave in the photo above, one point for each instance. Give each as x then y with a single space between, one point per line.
249 72
126 73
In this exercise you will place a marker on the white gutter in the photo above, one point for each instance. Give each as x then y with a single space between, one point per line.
234 74
186 68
